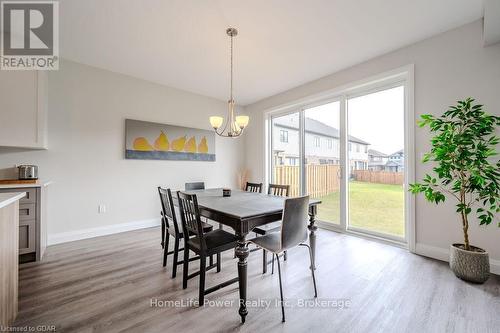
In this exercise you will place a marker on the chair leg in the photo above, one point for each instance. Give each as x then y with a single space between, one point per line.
272 266
218 262
211 260
203 268
264 261
176 257
312 269
162 234
185 267
165 249
281 290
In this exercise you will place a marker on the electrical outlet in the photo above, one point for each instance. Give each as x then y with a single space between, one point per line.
101 209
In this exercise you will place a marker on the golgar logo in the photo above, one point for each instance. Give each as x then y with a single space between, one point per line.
30 35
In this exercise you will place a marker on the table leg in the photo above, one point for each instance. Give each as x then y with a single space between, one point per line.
242 252
313 210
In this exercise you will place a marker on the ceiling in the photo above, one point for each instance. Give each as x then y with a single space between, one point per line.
281 43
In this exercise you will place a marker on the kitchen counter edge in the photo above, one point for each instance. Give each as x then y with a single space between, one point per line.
8 198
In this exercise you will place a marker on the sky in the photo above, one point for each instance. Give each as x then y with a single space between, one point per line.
377 118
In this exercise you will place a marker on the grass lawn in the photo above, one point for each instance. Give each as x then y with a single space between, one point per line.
377 207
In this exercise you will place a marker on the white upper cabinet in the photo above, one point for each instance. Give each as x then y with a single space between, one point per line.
23 109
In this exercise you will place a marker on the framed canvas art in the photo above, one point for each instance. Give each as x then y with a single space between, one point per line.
154 141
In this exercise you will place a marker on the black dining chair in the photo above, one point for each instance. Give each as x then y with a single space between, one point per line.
277 190
170 227
202 243
194 186
293 232
197 186
253 187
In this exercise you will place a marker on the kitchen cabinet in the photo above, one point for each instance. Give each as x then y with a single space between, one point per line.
23 109
32 211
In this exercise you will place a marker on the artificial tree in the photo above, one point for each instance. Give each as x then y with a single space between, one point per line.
464 151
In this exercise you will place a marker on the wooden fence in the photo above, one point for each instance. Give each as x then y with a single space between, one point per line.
382 177
322 179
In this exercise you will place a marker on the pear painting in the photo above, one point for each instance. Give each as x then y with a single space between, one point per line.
162 143
191 145
178 144
142 144
203 146
154 141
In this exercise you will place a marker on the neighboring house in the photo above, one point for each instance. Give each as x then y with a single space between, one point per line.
379 161
376 160
395 162
322 145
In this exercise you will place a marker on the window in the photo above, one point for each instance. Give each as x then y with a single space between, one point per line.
350 117
316 141
283 136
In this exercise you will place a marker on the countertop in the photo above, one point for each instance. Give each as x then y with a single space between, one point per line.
8 198
40 183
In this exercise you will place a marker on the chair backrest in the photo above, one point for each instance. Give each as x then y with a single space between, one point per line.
253 187
167 209
190 217
194 186
294 222
278 190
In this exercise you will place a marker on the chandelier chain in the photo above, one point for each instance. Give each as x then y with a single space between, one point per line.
231 94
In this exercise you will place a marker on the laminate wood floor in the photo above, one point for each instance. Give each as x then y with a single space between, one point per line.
108 284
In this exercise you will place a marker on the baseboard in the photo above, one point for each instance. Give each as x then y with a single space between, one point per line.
444 255
64 237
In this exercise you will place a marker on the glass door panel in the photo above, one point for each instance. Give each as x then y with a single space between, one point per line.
376 163
285 152
322 159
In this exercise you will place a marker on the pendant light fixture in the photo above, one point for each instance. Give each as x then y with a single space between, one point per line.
234 125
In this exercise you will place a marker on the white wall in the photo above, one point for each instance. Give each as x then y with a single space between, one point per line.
85 159
448 67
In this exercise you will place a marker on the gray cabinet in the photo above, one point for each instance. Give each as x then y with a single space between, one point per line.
32 231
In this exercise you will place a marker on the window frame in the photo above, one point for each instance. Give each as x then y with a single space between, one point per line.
383 81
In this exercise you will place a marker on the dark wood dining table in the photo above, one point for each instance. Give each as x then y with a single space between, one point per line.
243 211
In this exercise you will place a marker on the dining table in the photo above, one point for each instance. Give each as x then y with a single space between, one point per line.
242 211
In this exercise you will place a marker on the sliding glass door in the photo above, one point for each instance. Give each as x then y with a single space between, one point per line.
349 152
322 158
286 152
376 163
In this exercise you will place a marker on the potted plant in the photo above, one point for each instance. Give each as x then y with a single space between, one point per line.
464 150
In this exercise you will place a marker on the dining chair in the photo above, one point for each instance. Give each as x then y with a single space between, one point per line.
202 243
253 187
277 190
197 186
194 186
170 227
293 233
